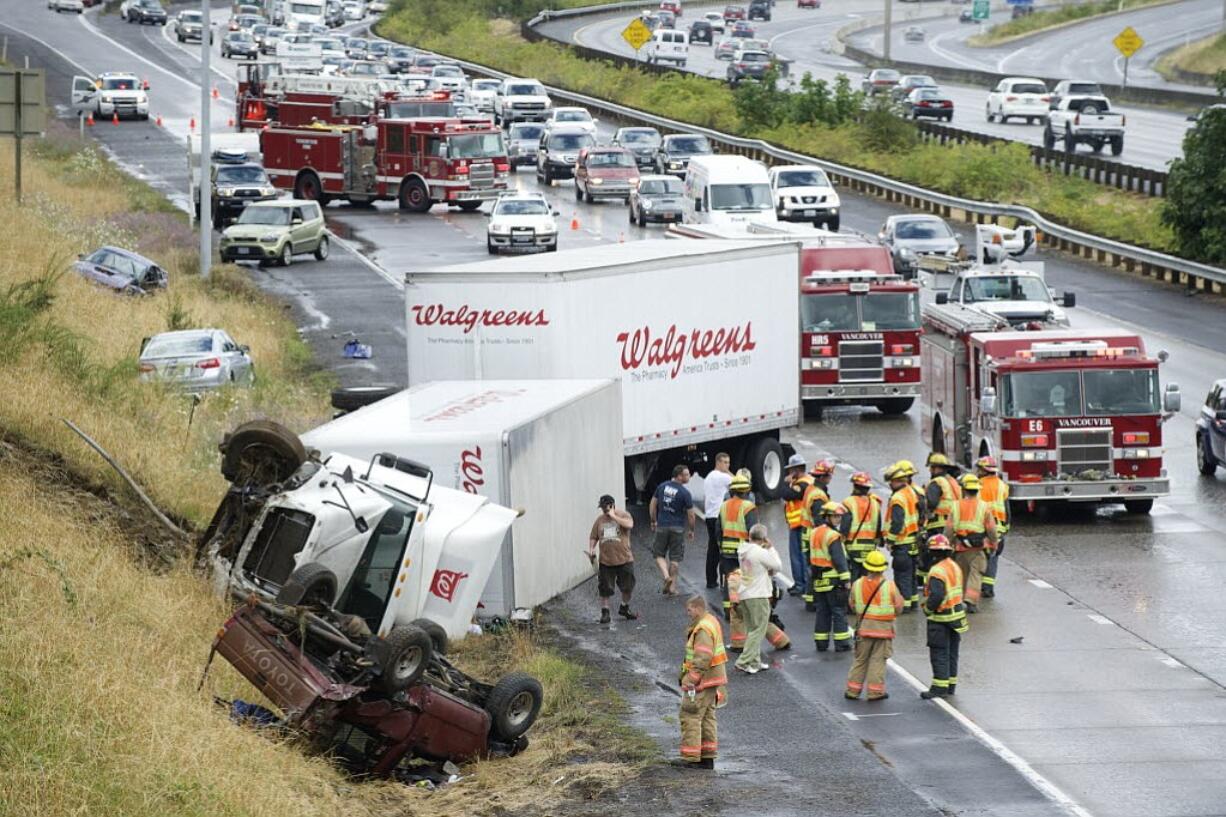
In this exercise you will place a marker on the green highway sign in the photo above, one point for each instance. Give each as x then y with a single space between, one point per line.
980 9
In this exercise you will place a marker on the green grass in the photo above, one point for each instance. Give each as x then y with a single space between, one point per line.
999 172
1206 56
1040 20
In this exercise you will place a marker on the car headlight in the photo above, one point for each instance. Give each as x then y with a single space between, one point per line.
500 229
106 97
225 192
646 204
908 253
268 191
270 238
596 181
674 164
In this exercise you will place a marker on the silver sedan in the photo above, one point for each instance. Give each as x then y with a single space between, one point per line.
196 359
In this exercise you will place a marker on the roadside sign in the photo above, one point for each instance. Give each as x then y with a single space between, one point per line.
1128 42
636 34
979 10
33 117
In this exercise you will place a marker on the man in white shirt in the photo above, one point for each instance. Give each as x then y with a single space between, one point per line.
759 562
715 488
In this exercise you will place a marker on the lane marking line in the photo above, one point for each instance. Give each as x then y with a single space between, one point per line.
1097 619
1019 764
1039 583
376 268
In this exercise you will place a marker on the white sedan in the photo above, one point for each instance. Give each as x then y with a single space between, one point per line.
522 222
572 119
1020 97
66 5
196 359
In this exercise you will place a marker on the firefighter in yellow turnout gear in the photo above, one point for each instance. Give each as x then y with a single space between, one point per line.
861 528
831 575
972 529
876 602
940 495
994 491
946 618
736 516
703 678
822 473
801 497
904 520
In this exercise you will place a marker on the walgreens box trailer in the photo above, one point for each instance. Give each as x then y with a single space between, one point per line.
549 448
702 336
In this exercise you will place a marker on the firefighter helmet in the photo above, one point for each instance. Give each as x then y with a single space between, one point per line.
740 484
969 482
938 542
987 464
833 509
905 468
822 467
937 458
875 562
861 479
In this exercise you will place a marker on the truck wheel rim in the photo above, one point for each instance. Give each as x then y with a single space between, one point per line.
520 708
408 663
308 189
772 470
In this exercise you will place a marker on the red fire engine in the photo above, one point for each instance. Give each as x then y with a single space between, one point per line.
418 162
1069 415
859 322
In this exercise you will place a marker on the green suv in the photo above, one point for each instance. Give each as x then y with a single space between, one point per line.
276 231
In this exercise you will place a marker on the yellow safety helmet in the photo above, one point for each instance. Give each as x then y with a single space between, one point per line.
740 484
969 482
875 562
904 468
832 508
937 458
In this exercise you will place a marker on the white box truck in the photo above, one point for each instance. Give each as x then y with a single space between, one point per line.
548 447
702 336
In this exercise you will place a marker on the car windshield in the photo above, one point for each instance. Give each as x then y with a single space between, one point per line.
1121 391
885 75
191 17
572 116
485 85
525 132
754 56
610 159
356 44
872 312
660 187
741 196
447 71
1090 88
1006 288
689 144
239 37
523 207
802 178
476 146
330 45
377 48
917 81
639 137
829 313
926 228
570 141
1042 394
177 346
119 84
928 93
374 579
275 216
1028 88
525 89
241 174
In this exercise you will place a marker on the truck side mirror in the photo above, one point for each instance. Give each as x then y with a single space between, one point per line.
987 400
942 297
1069 299
1172 400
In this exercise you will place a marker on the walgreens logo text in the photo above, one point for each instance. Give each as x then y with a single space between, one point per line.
470 318
643 347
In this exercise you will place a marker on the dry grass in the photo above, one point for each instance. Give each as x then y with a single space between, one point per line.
1205 56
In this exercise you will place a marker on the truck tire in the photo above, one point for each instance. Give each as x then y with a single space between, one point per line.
414 197
261 451
513 705
310 585
1096 145
1117 145
307 186
895 406
352 398
765 461
1049 138
438 636
1206 463
469 206
1138 506
406 654
832 224
1070 141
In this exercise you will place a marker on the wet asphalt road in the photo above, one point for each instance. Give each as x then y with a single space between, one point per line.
1116 695
806 36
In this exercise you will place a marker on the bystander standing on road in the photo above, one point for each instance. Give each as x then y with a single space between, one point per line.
610 538
714 487
759 562
672 522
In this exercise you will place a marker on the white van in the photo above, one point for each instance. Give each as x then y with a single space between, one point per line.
668 45
727 190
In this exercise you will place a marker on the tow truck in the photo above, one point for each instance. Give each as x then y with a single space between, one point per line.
417 162
1069 415
859 322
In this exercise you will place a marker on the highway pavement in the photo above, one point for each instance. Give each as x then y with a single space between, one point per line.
1113 704
807 36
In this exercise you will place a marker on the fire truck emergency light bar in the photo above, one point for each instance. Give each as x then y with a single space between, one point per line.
859 278
1067 349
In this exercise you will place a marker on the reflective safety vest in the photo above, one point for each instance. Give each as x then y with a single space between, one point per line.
695 654
732 516
865 514
970 523
995 491
798 511
951 609
907 499
820 541
877 618
951 492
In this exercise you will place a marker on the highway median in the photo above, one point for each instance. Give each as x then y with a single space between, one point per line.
1051 19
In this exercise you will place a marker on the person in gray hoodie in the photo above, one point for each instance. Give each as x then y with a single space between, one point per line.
759 563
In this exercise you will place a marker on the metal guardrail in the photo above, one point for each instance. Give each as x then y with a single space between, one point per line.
1096 169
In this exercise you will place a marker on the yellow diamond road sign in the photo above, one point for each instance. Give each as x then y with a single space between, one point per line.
1128 42
637 33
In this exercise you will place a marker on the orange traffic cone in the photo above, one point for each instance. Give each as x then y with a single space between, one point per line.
192 124
216 93
574 221
115 119
158 121
89 121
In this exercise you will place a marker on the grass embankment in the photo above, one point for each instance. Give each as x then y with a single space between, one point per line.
1002 172
1052 18
102 645
1206 57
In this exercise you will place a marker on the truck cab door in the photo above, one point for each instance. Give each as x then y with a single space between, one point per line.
84 94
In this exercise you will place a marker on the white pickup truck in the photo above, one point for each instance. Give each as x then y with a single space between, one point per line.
521 100
1087 120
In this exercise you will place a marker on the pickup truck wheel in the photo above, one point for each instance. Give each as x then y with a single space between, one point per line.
261 452
1096 146
1070 141
833 224
352 398
765 461
310 585
438 636
1117 145
415 197
513 705
1138 506
1049 138
1206 463
406 656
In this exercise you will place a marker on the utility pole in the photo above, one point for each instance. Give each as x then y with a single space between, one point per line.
206 103
885 47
